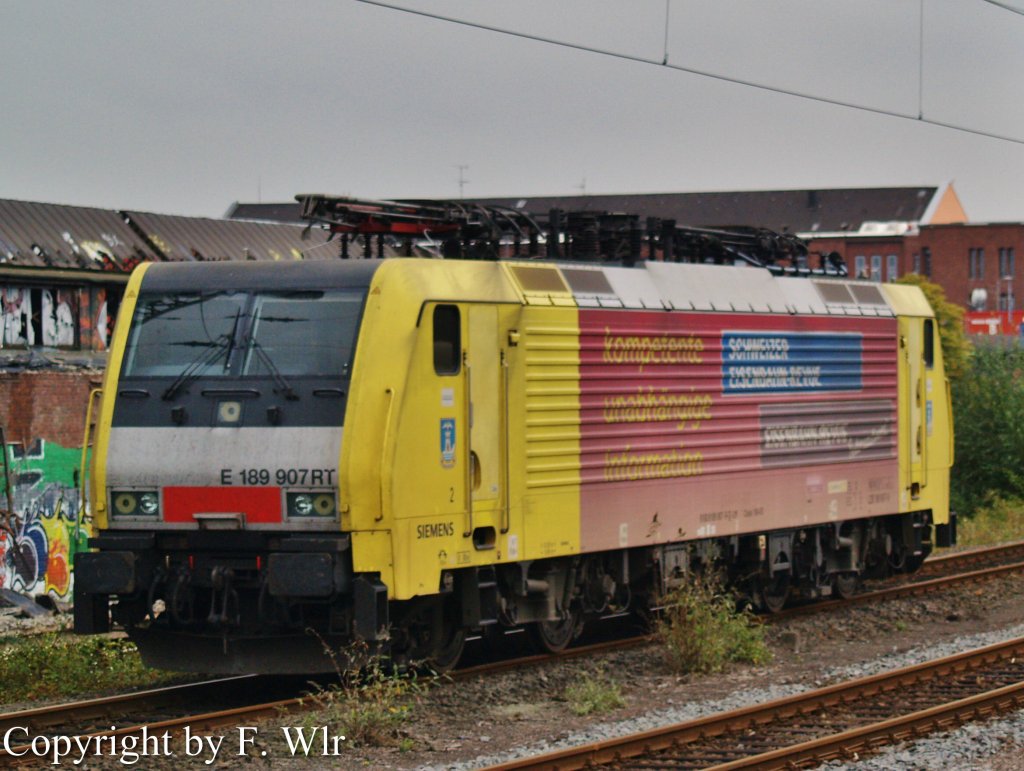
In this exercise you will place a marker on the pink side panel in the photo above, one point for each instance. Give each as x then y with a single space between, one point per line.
707 424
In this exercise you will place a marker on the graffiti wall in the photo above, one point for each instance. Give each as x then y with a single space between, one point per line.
73 317
37 553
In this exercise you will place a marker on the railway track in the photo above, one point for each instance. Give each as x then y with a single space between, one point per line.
842 721
94 717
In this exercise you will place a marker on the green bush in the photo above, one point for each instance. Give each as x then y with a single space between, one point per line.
988 415
703 631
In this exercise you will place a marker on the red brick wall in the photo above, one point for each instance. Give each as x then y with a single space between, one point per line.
950 245
46 404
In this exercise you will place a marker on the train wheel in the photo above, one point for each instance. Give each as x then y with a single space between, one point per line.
446 653
434 640
774 592
554 636
845 585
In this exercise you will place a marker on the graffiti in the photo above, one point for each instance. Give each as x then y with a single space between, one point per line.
59 314
48 529
16 317
102 326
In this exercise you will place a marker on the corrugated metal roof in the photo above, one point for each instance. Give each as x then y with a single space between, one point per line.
793 211
52 235
197 238
287 211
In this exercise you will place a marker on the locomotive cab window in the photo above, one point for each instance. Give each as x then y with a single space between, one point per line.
302 333
447 340
929 343
230 334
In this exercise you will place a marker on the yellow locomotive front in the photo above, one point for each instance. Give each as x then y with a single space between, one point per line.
215 471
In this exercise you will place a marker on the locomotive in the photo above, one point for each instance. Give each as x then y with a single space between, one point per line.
291 456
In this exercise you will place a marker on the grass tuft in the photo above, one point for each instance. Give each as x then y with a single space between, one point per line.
60 665
997 521
593 694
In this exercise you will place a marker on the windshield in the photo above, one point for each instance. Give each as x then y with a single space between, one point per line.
302 333
170 333
222 334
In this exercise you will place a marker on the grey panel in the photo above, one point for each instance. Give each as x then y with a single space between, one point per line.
153 457
291 274
718 288
634 287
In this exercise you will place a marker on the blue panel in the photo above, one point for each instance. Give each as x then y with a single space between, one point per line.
766 362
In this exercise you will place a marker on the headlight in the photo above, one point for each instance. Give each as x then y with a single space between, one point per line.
149 504
135 503
311 505
324 505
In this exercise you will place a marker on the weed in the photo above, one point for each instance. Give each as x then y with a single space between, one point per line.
368 705
593 694
703 631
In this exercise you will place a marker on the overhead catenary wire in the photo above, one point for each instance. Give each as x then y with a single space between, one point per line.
918 118
1005 7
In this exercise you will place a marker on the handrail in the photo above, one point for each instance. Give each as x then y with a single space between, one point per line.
82 478
506 514
385 467
468 418
949 423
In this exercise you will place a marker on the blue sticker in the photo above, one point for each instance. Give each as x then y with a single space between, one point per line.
447 442
786 362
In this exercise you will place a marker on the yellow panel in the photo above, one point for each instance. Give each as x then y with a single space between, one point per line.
550 370
110 378
925 424
906 300
395 473
371 553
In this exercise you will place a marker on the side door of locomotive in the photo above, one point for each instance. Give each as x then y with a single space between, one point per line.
917 341
486 372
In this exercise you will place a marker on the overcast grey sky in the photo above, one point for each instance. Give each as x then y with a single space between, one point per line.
185 107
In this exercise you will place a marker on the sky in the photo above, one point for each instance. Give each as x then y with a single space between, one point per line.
186 107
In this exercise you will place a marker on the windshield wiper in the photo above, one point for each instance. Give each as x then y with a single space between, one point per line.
219 347
283 385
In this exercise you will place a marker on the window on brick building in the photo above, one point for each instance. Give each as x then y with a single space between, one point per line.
876 267
892 271
916 260
926 261
976 262
1006 261
860 266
